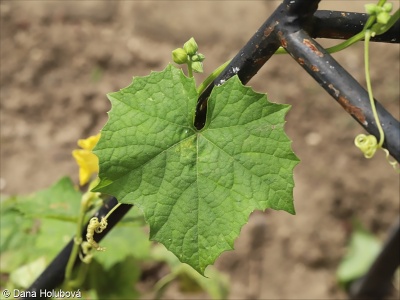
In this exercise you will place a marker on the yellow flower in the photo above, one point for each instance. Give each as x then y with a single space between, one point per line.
88 162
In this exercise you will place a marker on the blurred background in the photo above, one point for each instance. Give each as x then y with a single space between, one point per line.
60 58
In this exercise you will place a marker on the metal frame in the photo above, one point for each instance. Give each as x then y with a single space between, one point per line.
293 25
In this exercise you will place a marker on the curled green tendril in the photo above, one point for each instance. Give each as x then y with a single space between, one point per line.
393 163
367 144
86 255
378 22
98 227
88 199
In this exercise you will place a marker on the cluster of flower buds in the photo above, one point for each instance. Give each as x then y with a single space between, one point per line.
188 55
382 14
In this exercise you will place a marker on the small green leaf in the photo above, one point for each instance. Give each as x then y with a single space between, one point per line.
196 188
60 201
24 276
362 250
118 282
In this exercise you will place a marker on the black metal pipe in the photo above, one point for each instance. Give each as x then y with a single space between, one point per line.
344 25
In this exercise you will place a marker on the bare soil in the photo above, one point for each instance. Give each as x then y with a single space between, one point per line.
60 58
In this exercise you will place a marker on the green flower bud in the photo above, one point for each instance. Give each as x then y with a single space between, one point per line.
383 17
191 47
388 7
371 8
197 67
180 56
198 57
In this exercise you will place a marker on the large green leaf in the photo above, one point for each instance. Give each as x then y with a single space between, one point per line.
60 201
196 188
16 236
60 233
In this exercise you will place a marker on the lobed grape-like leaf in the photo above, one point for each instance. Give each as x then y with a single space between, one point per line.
195 188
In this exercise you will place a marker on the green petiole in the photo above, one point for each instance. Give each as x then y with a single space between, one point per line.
190 69
212 77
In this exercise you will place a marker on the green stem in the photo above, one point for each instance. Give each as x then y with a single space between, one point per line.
111 211
347 43
80 278
163 283
190 69
75 248
369 87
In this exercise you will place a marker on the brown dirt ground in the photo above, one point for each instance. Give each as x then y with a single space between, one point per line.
60 58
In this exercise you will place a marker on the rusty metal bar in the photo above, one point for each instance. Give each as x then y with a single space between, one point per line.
341 86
